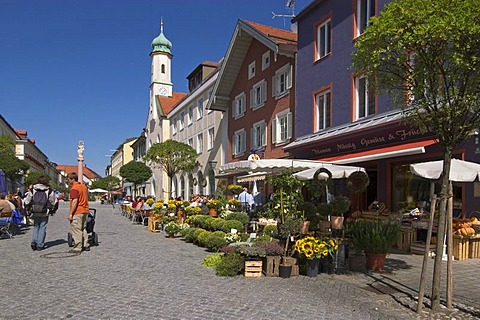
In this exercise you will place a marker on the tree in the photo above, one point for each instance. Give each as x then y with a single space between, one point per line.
136 172
108 183
32 177
173 157
13 167
425 54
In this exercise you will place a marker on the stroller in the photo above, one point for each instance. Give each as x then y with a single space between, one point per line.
10 224
92 236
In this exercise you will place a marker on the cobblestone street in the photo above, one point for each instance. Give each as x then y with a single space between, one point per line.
136 274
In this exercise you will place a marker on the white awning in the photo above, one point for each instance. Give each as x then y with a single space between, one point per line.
257 176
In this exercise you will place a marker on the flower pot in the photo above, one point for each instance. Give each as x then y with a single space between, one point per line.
325 265
305 226
337 222
212 212
357 263
285 271
171 236
324 226
312 267
376 261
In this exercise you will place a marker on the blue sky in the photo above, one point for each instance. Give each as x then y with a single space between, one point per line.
80 70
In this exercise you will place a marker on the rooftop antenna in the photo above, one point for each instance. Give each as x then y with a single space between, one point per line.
290 12
161 24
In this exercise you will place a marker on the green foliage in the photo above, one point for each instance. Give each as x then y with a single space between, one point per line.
172 228
232 224
231 265
136 172
340 205
373 235
291 227
172 156
32 177
184 232
239 216
197 233
234 188
213 260
429 49
287 196
108 183
202 237
190 234
270 230
13 167
215 242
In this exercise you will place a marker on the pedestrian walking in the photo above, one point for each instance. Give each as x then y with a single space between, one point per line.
40 202
78 213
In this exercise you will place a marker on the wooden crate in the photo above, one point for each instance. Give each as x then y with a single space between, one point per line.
407 237
460 247
253 269
418 247
474 247
152 225
270 267
293 262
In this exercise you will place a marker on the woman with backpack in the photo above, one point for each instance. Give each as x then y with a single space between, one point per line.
40 200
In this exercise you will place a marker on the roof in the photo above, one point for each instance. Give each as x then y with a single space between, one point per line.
280 41
166 104
89 173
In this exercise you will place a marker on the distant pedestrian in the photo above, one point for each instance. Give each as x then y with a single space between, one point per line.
78 213
246 201
40 201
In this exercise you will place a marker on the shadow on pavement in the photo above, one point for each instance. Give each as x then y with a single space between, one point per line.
55 243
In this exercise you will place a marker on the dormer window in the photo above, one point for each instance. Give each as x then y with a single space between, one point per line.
251 70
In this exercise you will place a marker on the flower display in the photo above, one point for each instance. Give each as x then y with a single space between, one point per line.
150 201
314 248
214 204
232 237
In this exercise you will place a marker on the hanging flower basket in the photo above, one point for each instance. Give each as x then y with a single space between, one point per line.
358 182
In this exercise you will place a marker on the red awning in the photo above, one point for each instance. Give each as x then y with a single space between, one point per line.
382 153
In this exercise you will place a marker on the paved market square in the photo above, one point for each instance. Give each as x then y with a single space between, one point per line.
137 274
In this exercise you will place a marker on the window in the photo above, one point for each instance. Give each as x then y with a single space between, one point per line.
282 127
175 120
239 143
182 120
209 96
211 138
190 142
257 95
282 81
238 106
200 109
365 10
323 104
258 135
365 98
265 60
190 116
251 70
323 39
200 143
163 68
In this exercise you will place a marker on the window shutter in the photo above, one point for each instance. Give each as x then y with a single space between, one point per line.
243 141
274 131
289 125
289 77
252 138
234 109
264 135
235 144
274 86
263 90
252 98
243 107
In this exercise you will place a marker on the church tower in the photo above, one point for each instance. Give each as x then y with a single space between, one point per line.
161 83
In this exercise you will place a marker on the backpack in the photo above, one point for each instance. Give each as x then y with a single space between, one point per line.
40 203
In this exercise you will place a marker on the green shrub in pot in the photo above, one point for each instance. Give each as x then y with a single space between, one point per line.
374 235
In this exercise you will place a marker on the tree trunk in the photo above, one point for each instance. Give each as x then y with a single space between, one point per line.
437 270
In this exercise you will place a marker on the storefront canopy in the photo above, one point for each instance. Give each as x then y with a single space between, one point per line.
460 170
337 171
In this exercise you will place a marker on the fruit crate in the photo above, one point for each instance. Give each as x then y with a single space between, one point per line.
418 247
474 247
253 269
460 247
407 237
270 267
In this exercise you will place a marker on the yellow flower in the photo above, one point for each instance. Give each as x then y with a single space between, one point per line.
321 245
332 243
325 253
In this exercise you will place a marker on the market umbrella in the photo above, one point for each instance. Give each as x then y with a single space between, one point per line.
98 190
3 182
460 170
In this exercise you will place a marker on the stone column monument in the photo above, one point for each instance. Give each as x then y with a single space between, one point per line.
80 158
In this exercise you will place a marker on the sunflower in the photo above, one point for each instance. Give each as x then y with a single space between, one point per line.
325 253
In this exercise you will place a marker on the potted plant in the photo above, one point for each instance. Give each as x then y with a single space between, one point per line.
171 229
375 237
313 250
235 188
339 206
214 205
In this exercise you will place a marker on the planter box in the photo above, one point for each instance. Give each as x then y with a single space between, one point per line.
253 269
460 247
474 247
293 262
270 266
407 237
